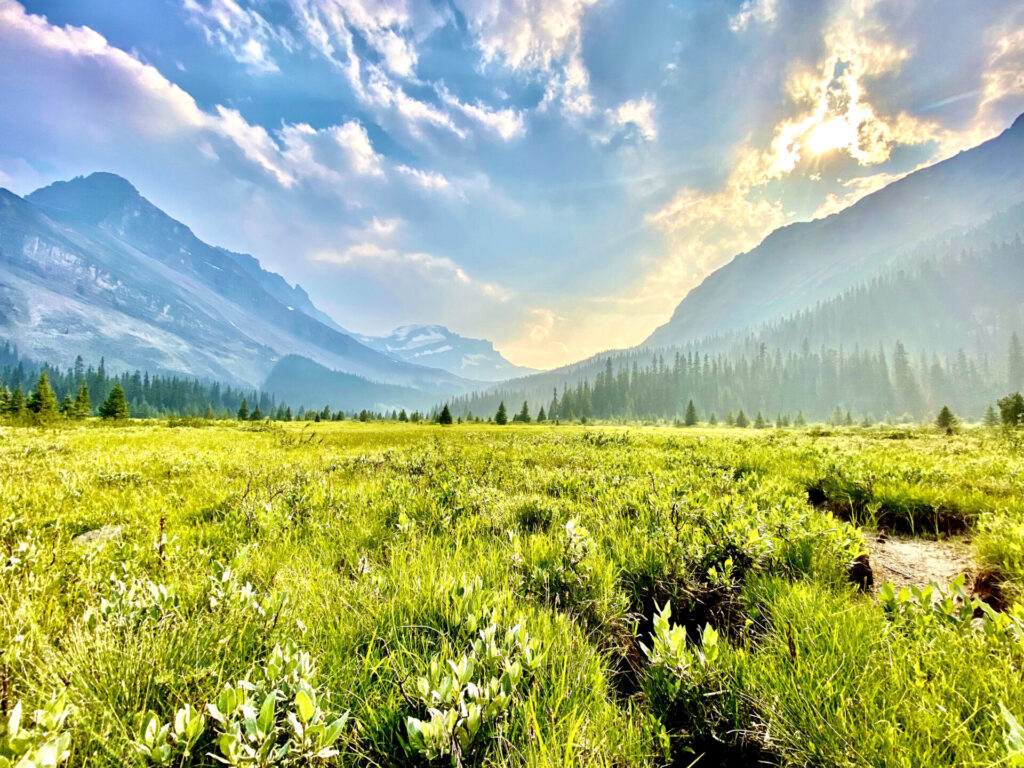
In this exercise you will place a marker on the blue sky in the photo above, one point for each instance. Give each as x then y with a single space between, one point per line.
554 175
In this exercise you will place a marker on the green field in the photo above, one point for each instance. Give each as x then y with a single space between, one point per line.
385 594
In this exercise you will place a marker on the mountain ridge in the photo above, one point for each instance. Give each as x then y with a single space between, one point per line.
799 262
90 266
433 344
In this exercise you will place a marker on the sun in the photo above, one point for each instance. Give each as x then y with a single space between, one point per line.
830 134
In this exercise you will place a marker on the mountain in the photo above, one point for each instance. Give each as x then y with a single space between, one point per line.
799 264
436 346
91 267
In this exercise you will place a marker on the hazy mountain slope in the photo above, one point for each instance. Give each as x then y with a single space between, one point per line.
963 290
89 266
436 346
802 263
303 383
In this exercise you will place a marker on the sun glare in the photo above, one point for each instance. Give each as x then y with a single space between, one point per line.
830 134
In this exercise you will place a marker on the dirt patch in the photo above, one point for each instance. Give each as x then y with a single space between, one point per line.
919 562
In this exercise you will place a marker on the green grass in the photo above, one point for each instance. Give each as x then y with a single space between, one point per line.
383 551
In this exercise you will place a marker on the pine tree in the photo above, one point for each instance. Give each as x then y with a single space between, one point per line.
501 417
67 406
524 414
801 420
115 406
713 420
17 406
445 416
946 420
1011 410
403 416
541 416
759 422
243 410
690 419
83 406
209 415
907 392
43 402
730 418
742 420
257 415
991 418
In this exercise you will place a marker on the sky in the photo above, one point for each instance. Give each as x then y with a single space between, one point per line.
553 175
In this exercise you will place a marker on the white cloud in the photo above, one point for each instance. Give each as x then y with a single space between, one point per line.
506 123
353 139
425 179
241 31
754 12
639 113
526 34
437 270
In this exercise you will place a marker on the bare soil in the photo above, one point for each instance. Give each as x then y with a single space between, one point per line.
906 561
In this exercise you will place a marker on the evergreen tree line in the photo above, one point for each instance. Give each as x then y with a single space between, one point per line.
859 385
42 393
146 396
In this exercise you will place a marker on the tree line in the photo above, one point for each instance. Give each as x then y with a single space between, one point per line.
872 385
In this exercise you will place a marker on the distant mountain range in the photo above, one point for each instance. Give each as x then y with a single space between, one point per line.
436 346
91 267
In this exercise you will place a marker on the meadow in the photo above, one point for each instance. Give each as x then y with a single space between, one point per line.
205 593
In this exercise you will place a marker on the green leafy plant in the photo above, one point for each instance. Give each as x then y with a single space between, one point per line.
277 720
42 742
160 742
465 700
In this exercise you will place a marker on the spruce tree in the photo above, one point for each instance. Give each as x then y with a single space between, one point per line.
67 406
690 419
945 420
713 420
115 406
524 414
759 422
257 415
501 417
403 416
445 417
991 418
243 410
17 406
742 420
1011 410
83 406
541 416
43 402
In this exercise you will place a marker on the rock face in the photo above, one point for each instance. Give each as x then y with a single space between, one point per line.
91 267
797 265
438 347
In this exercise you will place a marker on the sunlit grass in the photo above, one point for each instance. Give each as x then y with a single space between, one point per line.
356 542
